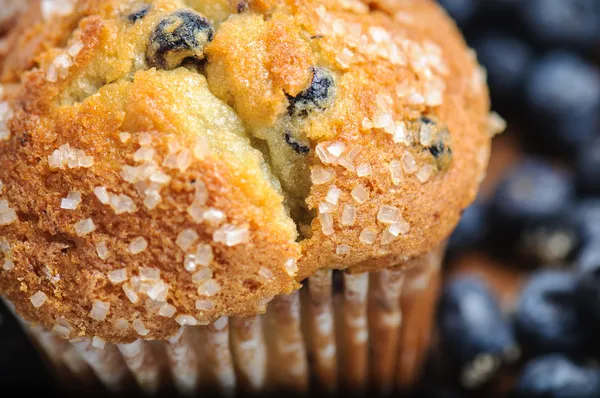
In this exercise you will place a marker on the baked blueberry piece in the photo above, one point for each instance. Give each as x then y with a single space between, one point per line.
179 36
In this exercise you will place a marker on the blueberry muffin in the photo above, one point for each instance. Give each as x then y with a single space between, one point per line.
166 163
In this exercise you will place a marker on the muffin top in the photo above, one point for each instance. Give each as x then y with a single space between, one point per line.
164 163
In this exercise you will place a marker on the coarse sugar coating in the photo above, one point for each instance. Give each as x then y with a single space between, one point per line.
165 163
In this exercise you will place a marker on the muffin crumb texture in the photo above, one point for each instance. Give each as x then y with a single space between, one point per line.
165 163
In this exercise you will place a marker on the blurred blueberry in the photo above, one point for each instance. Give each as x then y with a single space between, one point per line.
563 95
569 23
507 60
550 241
588 288
462 11
588 259
532 190
547 318
556 376
472 228
474 334
586 215
588 167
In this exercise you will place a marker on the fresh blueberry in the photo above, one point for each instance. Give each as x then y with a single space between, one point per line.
474 334
563 95
547 318
568 135
550 241
569 23
532 190
556 376
472 229
588 288
586 215
507 60
588 167
179 36
316 97
462 11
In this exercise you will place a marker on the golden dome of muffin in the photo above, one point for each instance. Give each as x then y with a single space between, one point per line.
166 162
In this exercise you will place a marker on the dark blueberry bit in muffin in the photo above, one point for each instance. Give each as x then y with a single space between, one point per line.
435 138
316 97
139 14
297 146
426 120
179 36
547 318
474 334
242 6
557 376
440 150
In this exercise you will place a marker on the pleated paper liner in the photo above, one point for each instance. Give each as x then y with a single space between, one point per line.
370 332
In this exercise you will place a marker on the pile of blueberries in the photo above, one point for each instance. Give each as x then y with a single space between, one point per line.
543 64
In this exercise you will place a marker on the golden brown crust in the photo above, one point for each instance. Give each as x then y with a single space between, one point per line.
93 90
430 208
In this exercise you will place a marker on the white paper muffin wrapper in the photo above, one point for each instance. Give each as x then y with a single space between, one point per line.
371 336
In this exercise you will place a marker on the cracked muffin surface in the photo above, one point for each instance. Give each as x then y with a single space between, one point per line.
165 163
